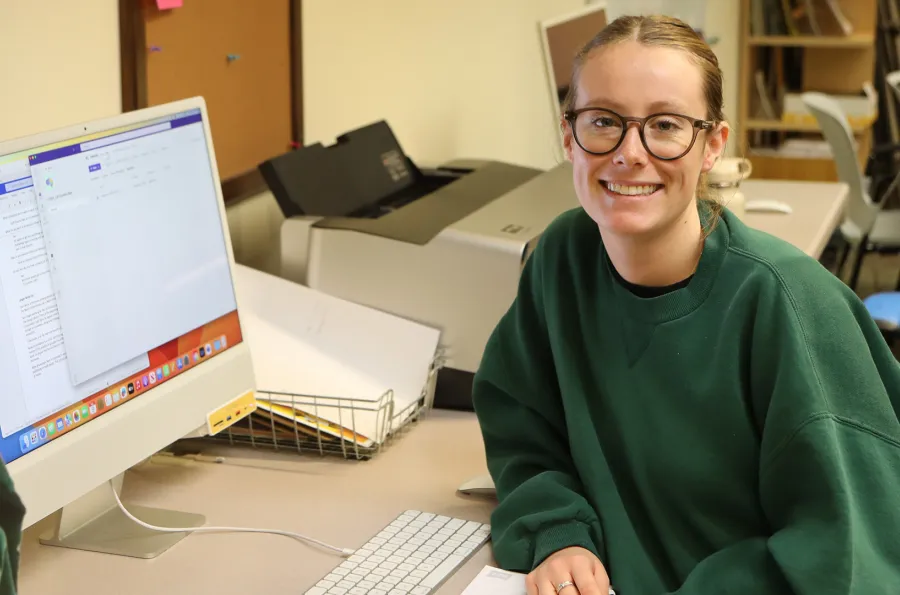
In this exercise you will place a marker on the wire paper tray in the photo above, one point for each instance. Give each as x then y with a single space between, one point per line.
348 427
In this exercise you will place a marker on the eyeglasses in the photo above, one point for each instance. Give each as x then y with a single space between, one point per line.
665 136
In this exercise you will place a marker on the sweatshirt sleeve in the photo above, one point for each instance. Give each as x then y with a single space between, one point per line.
11 513
825 389
516 397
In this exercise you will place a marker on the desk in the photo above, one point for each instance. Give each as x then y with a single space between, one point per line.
818 208
341 502
324 498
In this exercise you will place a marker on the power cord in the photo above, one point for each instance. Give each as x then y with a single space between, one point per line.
340 550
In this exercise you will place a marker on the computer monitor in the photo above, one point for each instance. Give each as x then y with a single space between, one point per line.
561 38
118 315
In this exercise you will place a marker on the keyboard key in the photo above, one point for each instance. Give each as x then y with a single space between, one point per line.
437 575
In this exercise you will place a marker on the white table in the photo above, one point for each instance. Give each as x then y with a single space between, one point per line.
818 208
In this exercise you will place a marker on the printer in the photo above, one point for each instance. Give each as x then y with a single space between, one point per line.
443 246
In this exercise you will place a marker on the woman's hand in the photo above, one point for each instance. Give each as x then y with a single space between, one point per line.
574 564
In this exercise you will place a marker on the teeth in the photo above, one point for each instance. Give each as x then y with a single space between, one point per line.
631 190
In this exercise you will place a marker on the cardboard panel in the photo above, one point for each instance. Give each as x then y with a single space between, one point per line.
237 55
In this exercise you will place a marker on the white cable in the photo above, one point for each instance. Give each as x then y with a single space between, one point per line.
297 536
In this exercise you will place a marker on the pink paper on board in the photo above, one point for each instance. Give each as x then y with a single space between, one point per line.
169 4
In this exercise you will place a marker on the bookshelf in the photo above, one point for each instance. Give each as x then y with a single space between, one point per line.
792 46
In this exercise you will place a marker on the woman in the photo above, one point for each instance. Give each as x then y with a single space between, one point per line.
675 401
11 513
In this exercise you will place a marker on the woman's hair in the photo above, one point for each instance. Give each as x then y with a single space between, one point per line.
666 32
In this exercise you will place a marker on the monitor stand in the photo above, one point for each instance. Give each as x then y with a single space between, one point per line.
95 523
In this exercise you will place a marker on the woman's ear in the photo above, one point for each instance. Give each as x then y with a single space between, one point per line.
567 138
715 145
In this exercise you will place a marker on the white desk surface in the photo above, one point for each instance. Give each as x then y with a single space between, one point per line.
337 501
340 502
818 208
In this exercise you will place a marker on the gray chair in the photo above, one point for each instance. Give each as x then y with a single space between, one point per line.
866 227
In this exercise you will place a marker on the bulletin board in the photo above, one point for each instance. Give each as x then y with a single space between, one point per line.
241 56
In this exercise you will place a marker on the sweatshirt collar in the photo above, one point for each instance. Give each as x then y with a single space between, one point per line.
683 301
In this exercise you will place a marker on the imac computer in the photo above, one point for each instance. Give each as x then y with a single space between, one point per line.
561 39
118 315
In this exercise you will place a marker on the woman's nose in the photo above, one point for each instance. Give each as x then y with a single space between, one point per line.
631 151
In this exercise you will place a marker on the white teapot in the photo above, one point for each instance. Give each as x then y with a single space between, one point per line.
725 179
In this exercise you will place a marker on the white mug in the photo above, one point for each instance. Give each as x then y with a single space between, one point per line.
725 179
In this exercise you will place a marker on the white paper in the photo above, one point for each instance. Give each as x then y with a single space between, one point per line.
306 342
494 581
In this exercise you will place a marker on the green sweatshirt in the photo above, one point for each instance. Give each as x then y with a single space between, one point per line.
11 513
738 435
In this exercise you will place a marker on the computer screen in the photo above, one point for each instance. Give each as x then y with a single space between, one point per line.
114 274
561 39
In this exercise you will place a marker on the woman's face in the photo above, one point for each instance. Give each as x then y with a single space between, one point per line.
628 191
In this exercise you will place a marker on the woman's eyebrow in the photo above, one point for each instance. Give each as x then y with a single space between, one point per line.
662 105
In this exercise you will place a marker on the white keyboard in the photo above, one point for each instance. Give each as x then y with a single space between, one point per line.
413 555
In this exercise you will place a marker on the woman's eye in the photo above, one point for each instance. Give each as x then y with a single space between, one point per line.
604 122
667 125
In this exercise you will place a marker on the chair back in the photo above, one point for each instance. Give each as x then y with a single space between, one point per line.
861 211
893 81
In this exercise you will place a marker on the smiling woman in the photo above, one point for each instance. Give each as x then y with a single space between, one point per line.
675 401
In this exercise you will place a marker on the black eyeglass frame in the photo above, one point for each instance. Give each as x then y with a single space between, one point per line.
696 125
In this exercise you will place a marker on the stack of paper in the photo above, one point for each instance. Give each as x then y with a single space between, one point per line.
494 581
305 342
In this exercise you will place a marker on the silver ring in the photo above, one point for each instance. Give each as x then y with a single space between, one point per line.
563 585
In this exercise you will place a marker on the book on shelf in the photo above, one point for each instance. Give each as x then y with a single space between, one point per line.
796 17
861 109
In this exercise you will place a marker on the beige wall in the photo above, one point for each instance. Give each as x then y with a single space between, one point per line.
59 63
460 79
452 79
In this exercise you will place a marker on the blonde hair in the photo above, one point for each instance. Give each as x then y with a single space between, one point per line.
667 32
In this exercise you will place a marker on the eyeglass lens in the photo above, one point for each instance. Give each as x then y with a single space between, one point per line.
667 136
